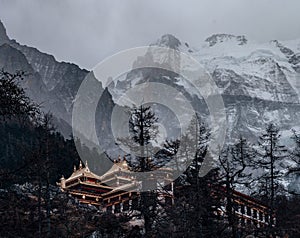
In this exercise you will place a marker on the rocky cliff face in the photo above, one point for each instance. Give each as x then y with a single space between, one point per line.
219 38
11 60
3 36
50 83
259 82
63 79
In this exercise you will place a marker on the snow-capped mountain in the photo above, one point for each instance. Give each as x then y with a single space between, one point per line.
259 82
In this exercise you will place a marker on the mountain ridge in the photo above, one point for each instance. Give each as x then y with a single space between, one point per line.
259 83
239 68
60 80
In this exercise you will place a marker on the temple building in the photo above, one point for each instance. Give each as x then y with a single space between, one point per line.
249 212
90 188
116 191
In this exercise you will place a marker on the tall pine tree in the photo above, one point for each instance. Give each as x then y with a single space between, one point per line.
268 162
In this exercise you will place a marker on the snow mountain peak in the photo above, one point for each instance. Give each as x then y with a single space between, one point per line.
219 38
169 41
3 36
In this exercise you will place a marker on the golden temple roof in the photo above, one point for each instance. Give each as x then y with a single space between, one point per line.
82 171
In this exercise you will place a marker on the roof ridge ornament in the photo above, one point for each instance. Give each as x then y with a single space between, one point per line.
86 166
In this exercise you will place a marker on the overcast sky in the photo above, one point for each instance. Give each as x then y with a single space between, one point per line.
86 31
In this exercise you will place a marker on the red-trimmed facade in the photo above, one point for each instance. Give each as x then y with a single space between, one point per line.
117 191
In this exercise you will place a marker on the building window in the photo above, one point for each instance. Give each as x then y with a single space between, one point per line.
243 209
254 213
236 207
267 218
261 216
117 208
135 203
126 206
249 211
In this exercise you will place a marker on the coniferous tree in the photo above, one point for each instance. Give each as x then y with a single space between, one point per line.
13 99
233 164
268 162
143 130
15 107
295 155
194 212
